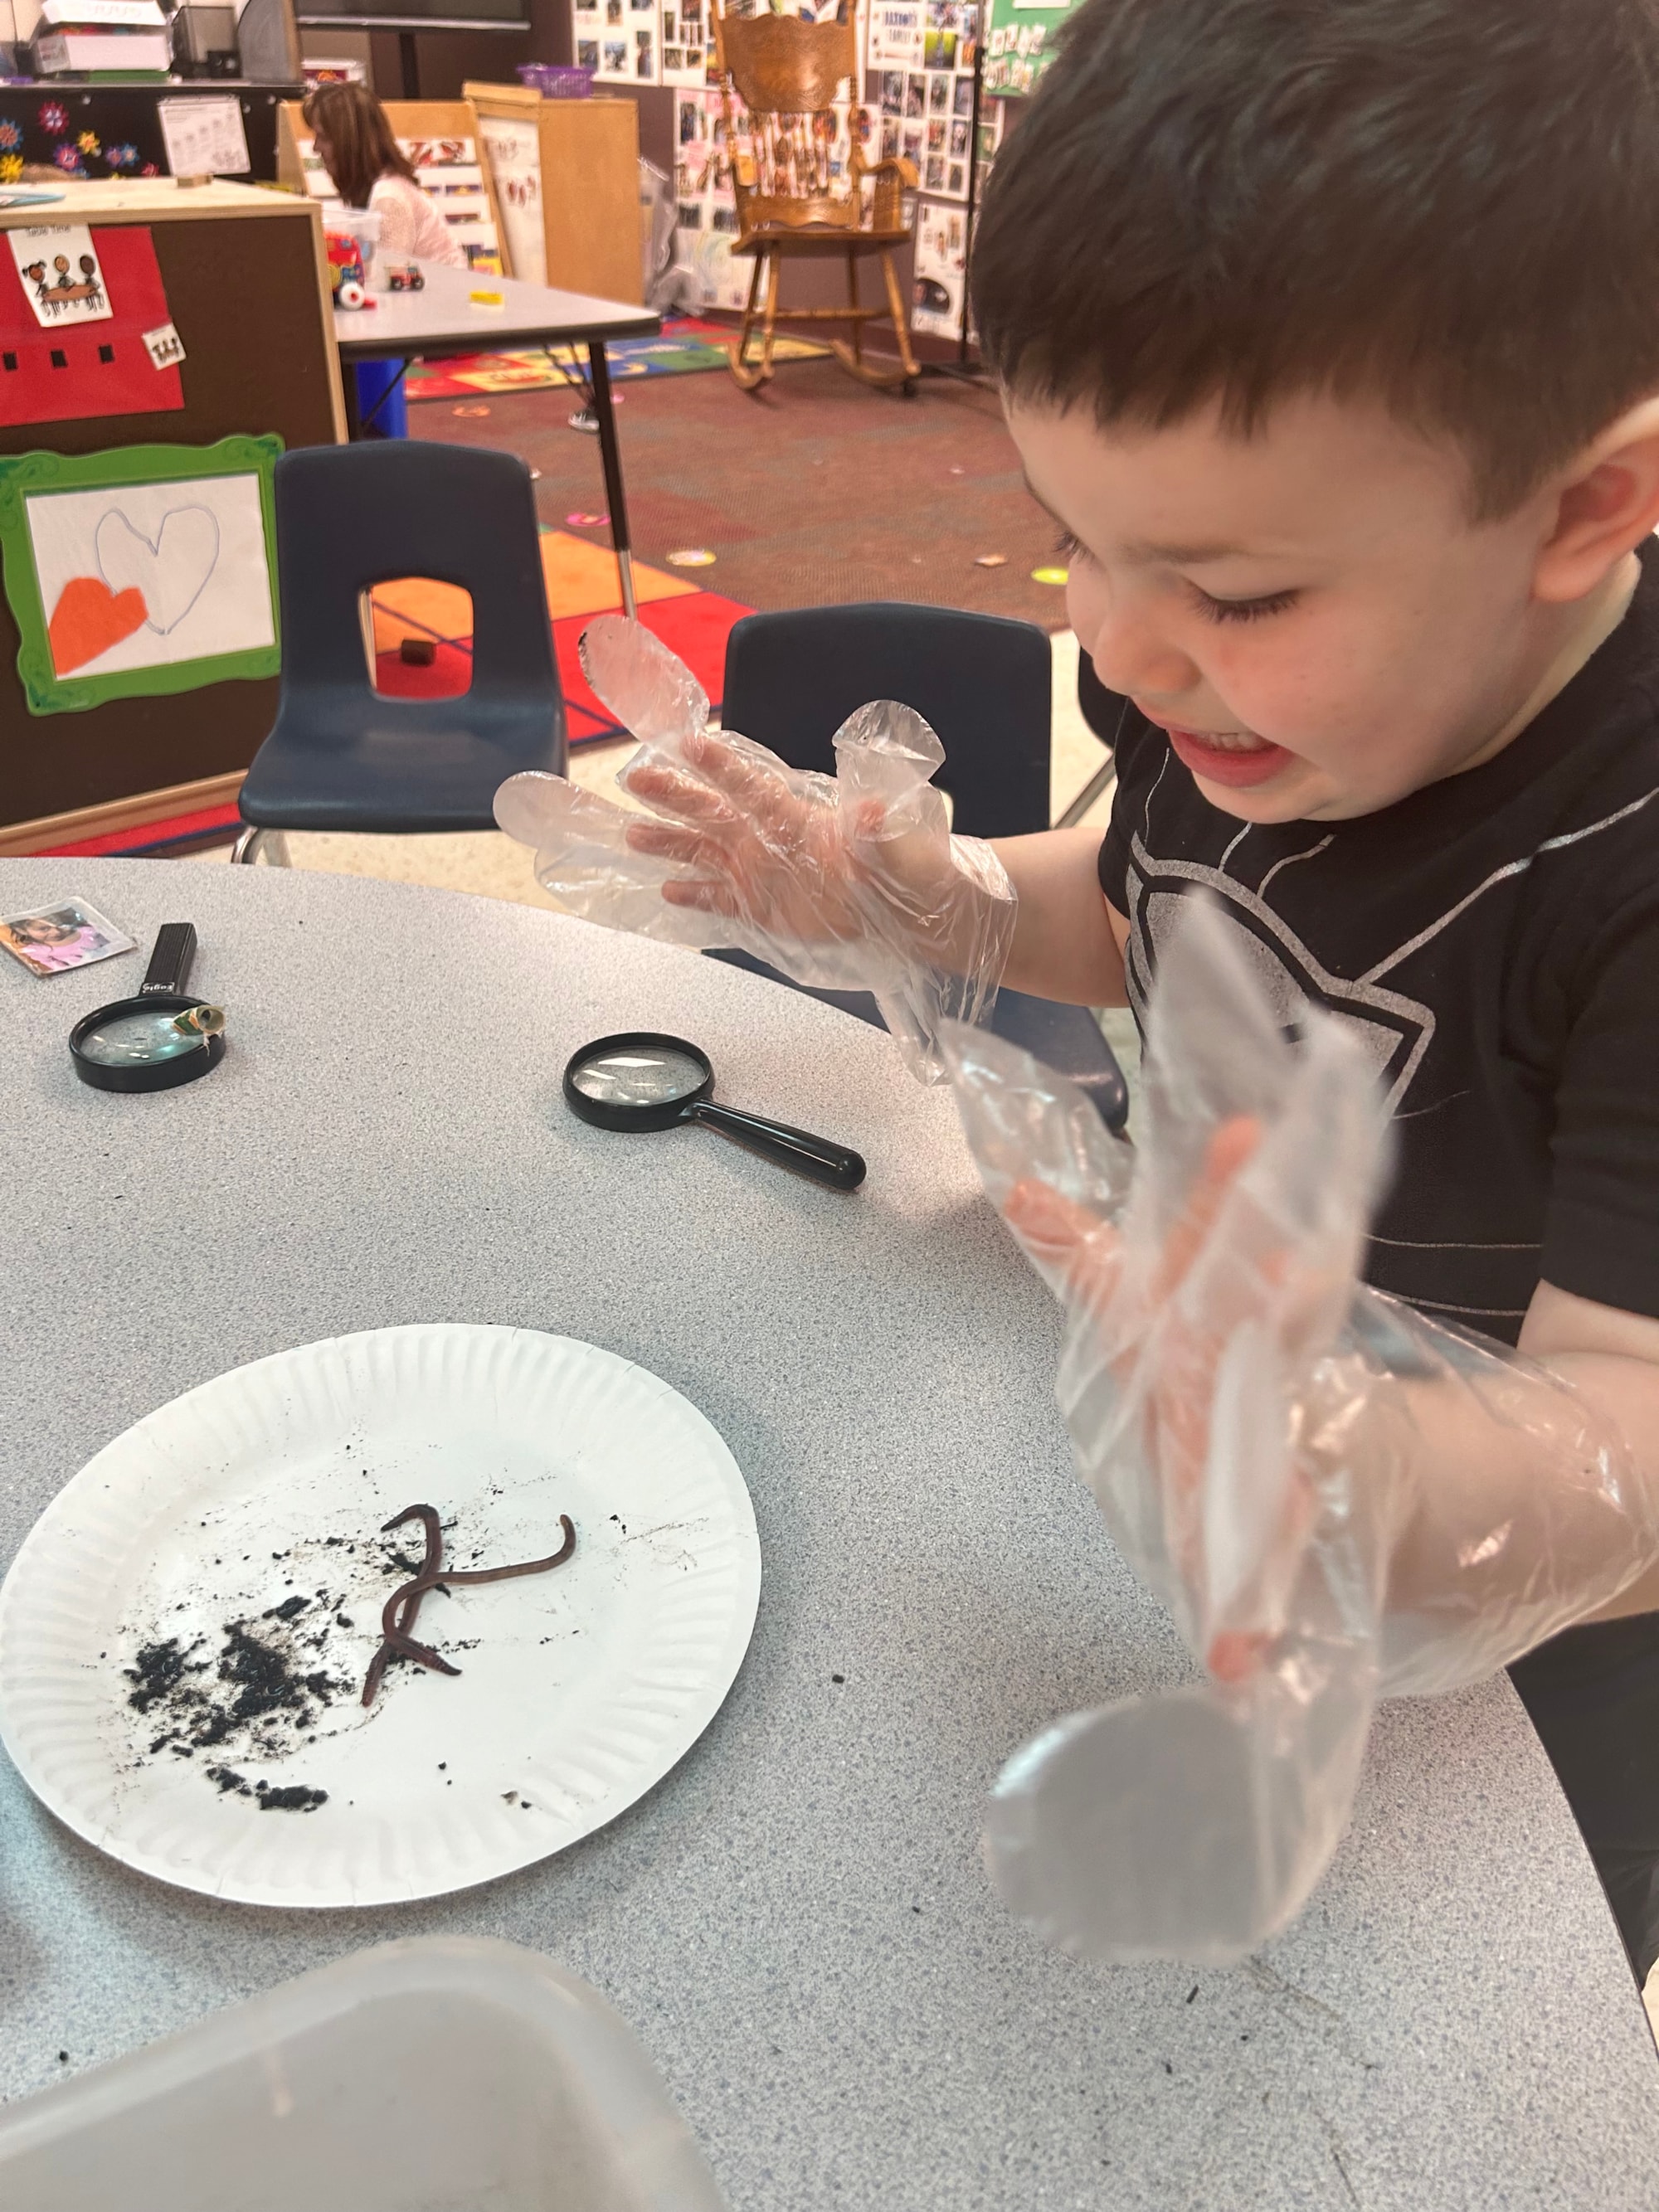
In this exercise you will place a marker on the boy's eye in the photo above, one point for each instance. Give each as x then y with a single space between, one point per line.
1226 611
1068 547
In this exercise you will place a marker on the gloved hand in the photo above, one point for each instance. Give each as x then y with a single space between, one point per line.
1335 1498
850 882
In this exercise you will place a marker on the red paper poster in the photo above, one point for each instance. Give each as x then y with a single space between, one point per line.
92 367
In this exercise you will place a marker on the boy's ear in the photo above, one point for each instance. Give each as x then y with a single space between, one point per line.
1604 505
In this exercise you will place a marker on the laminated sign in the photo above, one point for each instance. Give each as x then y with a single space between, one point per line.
61 277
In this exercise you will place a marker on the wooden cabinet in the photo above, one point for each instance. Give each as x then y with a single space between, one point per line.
567 181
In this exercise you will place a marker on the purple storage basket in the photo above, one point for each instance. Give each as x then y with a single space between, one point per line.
554 83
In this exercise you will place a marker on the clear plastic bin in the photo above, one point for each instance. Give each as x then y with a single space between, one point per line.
450 2074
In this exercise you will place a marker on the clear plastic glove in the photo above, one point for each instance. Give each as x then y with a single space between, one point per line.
849 882
1269 1444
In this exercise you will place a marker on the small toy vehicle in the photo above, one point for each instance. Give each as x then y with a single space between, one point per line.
345 269
345 260
405 277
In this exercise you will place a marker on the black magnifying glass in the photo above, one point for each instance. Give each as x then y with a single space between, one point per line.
163 1037
640 1080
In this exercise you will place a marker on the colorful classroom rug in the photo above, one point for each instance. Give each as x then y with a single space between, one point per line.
163 840
581 582
684 346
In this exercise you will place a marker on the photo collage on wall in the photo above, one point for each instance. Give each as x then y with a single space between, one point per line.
920 55
646 41
919 58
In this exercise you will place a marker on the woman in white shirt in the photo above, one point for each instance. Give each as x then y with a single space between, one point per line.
355 145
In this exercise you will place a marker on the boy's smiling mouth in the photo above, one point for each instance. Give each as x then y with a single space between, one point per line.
1230 756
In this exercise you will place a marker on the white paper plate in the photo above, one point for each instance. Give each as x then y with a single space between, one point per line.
579 1688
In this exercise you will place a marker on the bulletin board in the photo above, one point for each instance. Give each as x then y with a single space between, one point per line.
101 130
251 357
1019 45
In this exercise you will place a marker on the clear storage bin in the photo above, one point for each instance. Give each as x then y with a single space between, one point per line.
447 2074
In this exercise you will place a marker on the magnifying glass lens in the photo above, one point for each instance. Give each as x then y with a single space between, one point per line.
141 1039
638 1076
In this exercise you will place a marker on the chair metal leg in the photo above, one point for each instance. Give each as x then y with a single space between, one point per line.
269 846
1090 791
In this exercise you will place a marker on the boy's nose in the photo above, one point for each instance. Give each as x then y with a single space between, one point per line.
1136 662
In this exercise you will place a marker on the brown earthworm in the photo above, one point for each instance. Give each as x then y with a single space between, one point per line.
398 1615
530 1567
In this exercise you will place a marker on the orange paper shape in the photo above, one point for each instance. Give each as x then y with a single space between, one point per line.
89 618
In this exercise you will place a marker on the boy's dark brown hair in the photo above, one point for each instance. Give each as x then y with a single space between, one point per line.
1450 205
357 144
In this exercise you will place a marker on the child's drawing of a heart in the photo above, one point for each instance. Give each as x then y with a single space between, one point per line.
171 570
88 619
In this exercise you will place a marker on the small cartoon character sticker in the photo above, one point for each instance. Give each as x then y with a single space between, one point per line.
60 274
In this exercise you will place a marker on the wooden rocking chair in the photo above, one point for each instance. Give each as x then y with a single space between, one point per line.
786 72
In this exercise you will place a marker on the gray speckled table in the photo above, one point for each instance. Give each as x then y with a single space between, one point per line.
796 1921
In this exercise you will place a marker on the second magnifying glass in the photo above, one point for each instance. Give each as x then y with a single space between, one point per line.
641 1080
160 1039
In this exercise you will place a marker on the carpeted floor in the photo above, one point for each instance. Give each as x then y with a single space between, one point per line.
813 491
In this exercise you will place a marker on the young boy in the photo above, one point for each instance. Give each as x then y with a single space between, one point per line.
1328 331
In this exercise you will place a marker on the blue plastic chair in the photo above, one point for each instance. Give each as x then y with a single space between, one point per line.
341 757
984 685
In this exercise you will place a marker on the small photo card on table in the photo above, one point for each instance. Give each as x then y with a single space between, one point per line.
69 935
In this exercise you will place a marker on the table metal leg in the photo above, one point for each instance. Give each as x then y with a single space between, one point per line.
613 480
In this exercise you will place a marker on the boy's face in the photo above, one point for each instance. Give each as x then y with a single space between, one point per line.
1309 612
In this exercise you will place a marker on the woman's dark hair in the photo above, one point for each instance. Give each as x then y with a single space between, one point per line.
1450 205
356 146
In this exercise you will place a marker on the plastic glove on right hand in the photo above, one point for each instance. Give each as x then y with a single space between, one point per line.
1282 1456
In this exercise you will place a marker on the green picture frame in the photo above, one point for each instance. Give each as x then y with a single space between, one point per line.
27 475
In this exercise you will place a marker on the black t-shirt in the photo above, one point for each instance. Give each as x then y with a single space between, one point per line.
1493 941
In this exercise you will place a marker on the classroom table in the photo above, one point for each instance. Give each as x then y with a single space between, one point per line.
442 320
796 1921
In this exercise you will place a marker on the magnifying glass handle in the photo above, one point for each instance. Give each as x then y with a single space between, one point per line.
169 964
790 1148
